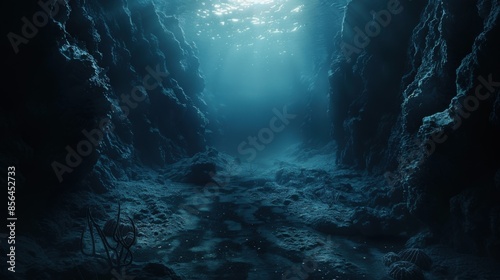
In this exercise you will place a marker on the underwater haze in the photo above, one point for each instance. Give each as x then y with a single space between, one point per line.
260 56
251 139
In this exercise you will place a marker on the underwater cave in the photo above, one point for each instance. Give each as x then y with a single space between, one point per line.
251 139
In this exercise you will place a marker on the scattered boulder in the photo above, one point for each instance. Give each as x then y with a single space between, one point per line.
200 173
203 168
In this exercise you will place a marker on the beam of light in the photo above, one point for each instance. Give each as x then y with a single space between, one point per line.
247 3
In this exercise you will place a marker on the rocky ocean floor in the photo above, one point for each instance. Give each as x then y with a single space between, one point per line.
290 217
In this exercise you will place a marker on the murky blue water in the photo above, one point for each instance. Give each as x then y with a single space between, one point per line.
256 55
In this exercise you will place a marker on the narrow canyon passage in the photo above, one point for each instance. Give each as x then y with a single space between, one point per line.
251 139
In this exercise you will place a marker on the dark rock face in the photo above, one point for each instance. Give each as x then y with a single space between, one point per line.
365 106
420 101
105 85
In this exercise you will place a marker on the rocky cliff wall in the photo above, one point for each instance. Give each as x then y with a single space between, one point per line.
414 95
97 87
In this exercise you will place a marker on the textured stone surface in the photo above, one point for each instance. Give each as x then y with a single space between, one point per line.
418 117
84 69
